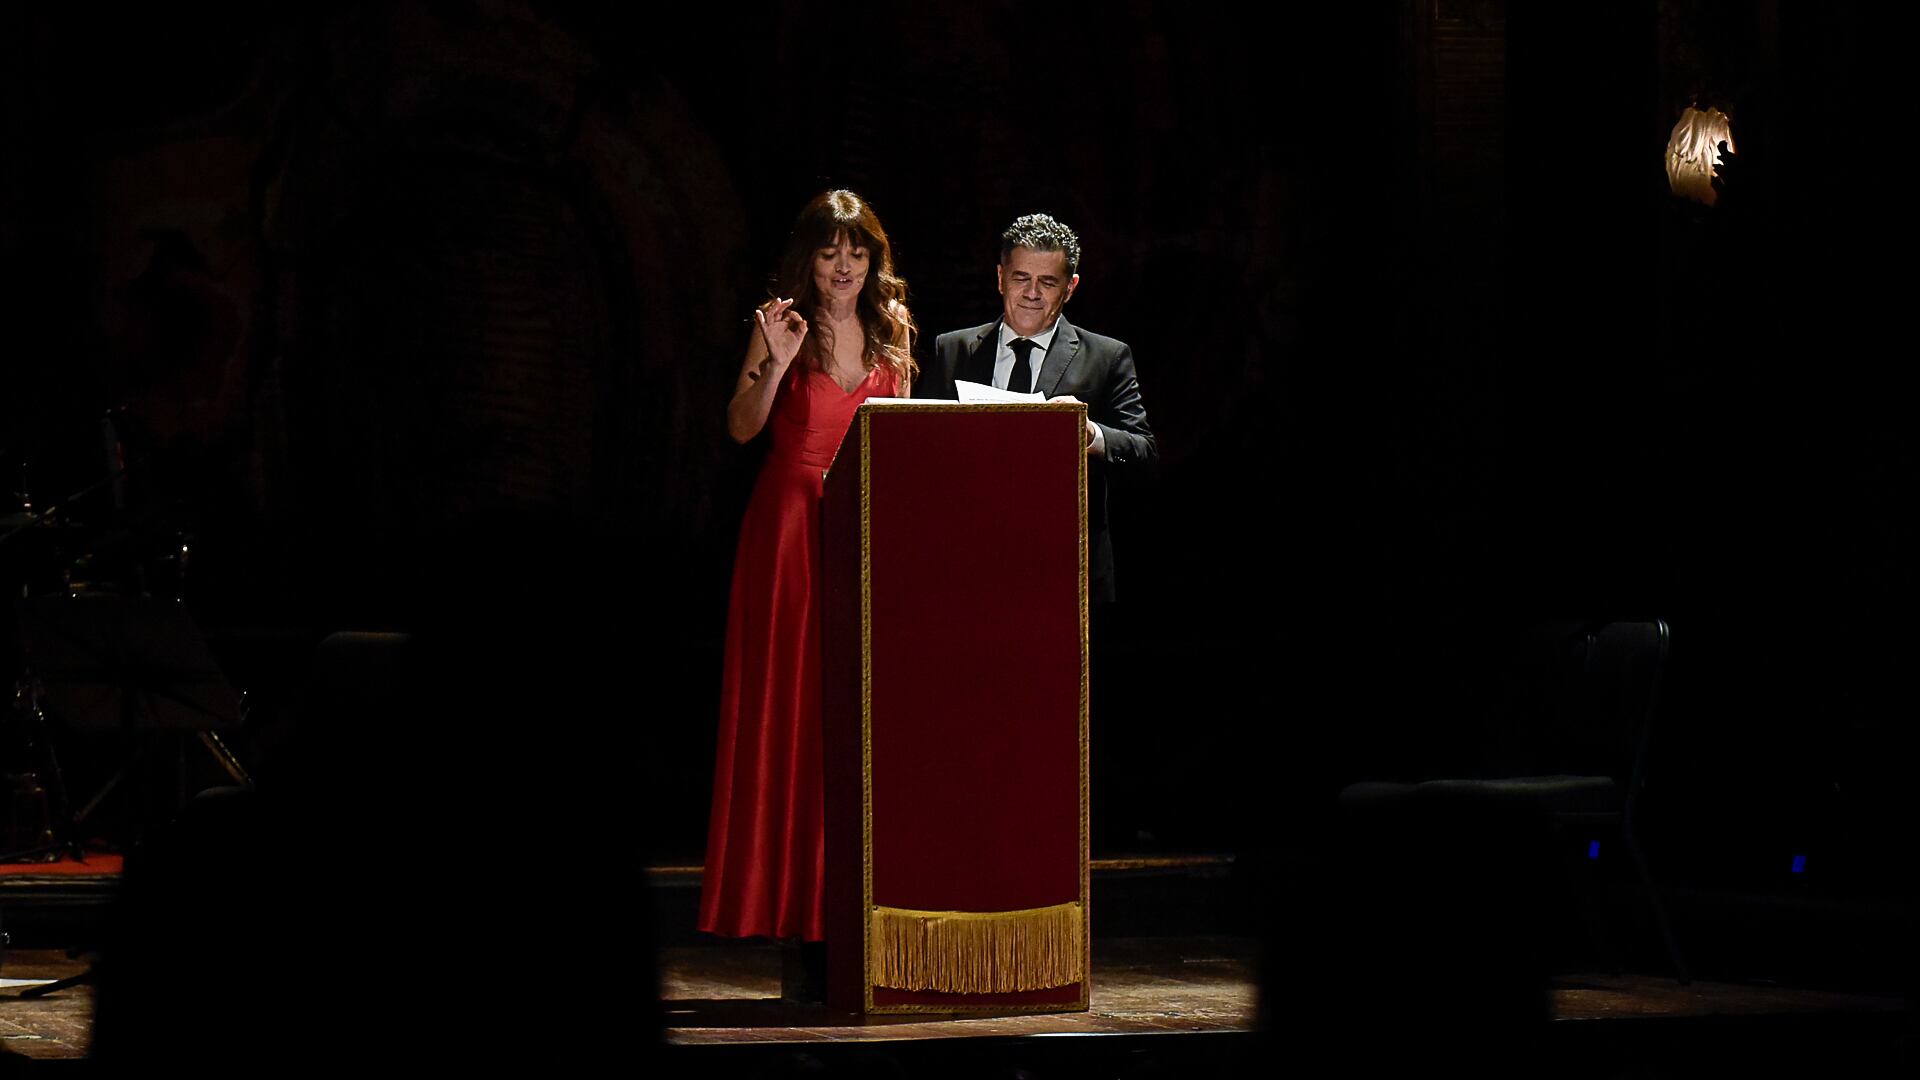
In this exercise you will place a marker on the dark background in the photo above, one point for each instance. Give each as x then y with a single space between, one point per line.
428 313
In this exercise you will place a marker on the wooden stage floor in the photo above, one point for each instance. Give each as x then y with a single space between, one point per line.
726 995
1146 986
1141 986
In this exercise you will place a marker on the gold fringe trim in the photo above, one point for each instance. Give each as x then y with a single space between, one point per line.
979 952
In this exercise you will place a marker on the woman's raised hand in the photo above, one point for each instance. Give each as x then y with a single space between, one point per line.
784 330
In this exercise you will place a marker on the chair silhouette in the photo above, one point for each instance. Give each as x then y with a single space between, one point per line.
1585 697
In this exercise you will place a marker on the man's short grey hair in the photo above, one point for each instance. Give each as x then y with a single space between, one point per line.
1041 233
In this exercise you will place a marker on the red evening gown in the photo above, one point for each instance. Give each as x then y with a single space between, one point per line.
766 837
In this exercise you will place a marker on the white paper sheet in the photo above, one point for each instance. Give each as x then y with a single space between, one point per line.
978 392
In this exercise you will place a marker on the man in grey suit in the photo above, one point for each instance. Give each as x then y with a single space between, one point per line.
1031 348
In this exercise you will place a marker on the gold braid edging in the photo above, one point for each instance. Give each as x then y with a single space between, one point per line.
978 952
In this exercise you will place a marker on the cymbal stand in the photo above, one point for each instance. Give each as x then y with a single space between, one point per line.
29 722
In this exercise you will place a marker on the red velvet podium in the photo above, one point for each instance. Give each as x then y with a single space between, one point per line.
954 655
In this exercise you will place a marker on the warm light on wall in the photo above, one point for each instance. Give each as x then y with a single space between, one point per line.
1694 149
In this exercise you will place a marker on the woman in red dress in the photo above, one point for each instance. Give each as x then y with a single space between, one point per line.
841 336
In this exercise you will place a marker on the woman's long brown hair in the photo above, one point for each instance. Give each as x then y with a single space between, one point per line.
882 305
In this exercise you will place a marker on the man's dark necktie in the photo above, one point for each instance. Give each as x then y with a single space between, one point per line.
1020 380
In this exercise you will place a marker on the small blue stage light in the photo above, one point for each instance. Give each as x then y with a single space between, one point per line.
1593 849
1799 864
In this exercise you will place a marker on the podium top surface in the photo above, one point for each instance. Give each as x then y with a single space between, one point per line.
882 406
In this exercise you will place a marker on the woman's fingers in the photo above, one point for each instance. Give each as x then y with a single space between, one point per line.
780 313
783 329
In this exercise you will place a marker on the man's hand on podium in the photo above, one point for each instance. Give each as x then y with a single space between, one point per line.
1095 444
